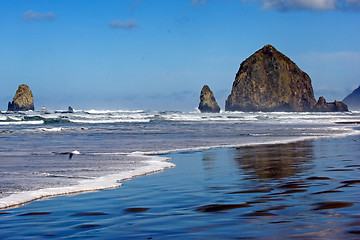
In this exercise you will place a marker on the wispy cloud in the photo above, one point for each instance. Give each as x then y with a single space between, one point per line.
37 16
131 24
312 5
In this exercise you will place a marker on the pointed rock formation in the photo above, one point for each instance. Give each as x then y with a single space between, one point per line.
270 81
353 99
207 101
323 106
23 99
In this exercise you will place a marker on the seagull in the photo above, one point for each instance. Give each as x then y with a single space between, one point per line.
72 153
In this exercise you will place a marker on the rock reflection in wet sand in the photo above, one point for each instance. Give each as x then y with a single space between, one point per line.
275 161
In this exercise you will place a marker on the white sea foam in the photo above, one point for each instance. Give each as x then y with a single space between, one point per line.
56 129
216 117
92 111
154 164
39 122
15 118
108 121
50 116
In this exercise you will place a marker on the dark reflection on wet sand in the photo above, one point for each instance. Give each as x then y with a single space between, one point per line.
288 191
275 161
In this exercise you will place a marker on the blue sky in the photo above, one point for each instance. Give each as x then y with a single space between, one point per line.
157 54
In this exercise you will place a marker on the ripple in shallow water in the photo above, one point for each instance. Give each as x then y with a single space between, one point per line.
221 207
85 226
332 205
88 214
35 214
136 210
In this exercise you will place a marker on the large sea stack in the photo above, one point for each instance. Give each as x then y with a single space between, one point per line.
207 101
353 99
270 81
23 100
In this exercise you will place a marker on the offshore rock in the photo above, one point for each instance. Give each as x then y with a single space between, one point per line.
353 99
23 99
207 101
269 81
323 106
70 110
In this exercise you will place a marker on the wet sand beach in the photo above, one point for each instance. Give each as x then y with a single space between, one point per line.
302 190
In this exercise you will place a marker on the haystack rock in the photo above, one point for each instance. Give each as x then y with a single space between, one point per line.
270 81
353 99
23 100
323 106
207 101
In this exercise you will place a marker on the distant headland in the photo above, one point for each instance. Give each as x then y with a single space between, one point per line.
353 99
269 81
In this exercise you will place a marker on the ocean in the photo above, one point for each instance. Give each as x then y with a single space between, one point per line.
45 154
178 175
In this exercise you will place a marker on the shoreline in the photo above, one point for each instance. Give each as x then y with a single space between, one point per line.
113 180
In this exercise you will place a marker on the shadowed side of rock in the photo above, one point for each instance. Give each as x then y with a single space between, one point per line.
207 101
23 99
353 99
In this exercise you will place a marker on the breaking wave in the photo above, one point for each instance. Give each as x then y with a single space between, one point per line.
141 116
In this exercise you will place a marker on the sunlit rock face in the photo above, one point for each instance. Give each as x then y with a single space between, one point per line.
270 81
23 99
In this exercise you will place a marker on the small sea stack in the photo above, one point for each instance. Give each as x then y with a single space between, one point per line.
323 106
23 99
208 103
